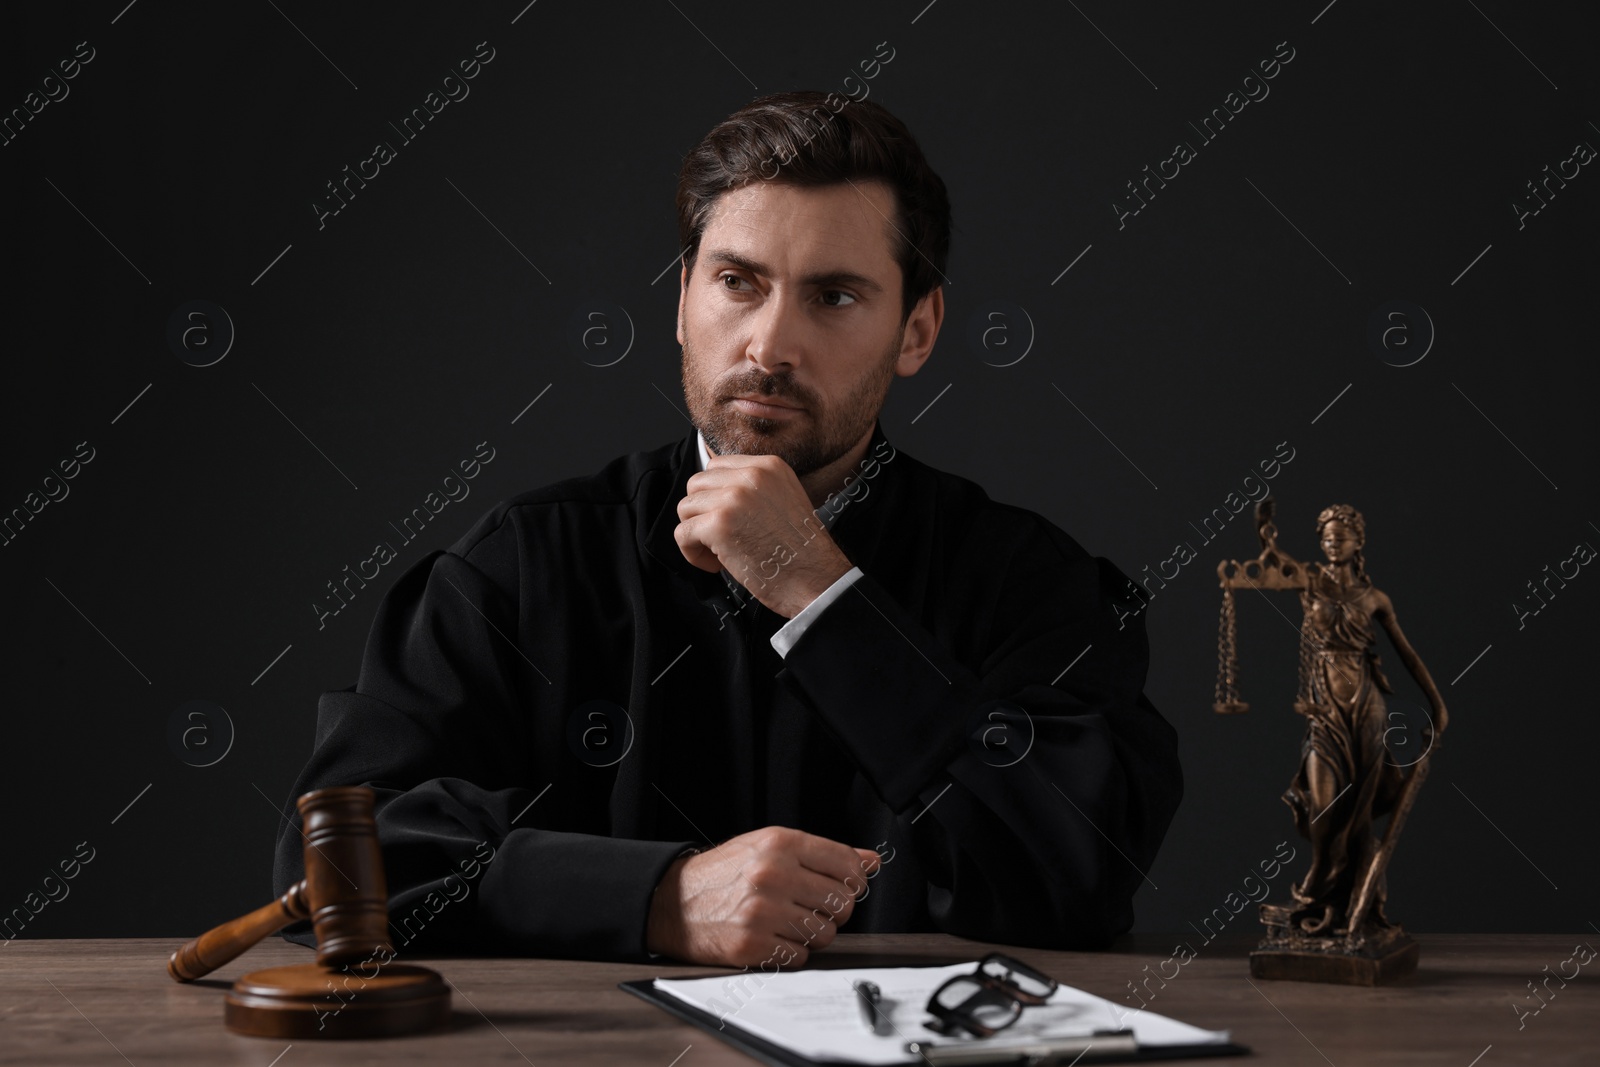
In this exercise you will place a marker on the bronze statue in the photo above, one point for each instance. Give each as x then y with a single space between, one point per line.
1335 929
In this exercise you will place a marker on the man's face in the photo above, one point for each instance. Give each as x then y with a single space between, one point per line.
795 299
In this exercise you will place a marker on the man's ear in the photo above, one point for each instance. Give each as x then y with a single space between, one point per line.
922 330
683 291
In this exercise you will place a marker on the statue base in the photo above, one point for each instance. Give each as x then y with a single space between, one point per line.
1380 954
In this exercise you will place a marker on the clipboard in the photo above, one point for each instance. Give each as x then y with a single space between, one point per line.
777 1056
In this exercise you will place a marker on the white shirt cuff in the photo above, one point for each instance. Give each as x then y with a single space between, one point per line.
790 631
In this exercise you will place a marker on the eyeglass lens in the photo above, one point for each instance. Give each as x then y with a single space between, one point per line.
1027 981
985 1005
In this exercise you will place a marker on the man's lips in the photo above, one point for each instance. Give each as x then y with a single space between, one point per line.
763 405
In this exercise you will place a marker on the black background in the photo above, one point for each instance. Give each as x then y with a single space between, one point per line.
1177 353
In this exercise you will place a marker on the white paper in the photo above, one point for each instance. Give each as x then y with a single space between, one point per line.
817 1013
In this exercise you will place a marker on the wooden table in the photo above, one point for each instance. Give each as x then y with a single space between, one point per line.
110 1002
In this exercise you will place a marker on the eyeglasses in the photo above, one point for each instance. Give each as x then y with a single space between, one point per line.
990 999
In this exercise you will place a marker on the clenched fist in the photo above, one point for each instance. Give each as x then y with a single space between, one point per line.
772 890
750 516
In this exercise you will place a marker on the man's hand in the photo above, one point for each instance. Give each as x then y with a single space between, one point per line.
750 516
771 894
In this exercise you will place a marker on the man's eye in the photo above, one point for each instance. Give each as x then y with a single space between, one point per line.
839 292
733 277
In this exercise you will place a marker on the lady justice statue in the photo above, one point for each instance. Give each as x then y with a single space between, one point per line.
1335 929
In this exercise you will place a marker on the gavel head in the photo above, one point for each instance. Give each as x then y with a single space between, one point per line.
344 885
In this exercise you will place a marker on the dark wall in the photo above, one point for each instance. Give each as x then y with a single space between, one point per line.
1172 351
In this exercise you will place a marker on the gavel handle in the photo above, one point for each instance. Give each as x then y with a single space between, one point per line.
215 947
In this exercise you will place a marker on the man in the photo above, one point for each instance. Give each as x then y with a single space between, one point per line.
863 691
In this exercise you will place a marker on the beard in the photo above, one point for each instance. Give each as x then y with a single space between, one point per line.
807 441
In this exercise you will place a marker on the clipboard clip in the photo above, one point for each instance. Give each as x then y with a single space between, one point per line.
1054 1052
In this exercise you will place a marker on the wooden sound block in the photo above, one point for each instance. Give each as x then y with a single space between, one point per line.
305 1000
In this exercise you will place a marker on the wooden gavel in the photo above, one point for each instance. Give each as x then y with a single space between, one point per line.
343 892
347 900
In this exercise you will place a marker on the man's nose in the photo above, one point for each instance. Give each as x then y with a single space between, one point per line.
776 333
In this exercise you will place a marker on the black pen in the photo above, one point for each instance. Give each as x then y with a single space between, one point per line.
869 995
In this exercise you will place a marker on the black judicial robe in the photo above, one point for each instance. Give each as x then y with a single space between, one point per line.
895 722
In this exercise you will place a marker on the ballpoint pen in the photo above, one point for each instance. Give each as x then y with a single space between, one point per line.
869 995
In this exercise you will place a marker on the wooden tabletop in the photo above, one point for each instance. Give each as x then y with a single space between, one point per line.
111 1002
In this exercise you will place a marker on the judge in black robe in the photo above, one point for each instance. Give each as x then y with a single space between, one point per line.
559 705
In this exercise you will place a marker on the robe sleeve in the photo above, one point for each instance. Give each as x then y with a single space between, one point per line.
440 725
1042 849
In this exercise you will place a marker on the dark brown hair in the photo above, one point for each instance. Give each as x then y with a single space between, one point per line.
796 138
